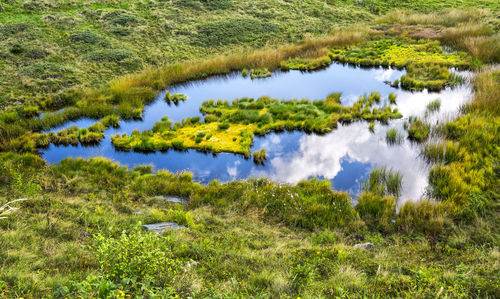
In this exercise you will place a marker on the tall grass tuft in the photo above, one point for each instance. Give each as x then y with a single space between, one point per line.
393 136
487 95
156 78
384 182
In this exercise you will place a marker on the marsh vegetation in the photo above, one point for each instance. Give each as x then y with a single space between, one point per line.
79 234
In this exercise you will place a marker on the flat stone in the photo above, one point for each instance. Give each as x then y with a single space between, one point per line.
162 226
173 199
364 245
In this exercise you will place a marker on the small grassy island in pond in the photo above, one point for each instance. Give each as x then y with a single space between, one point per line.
231 127
259 157
175 98
425 61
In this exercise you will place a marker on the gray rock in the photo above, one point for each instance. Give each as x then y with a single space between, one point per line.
173 199
364 245
162 226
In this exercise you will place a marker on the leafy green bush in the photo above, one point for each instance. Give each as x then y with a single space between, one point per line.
141 256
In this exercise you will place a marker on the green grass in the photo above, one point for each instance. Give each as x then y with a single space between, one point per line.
260 73
433 106
393 136
425 62
419 130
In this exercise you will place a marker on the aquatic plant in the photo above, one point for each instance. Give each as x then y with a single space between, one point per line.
444 152
306 64
383 182
246 117
419 130
260 73
392 98
371 126
259 157
426 64
175 98
393 136
433 106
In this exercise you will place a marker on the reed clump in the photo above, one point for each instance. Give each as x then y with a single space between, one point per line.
419 130
393 136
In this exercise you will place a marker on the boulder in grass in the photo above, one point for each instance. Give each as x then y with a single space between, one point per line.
162 226
174 199
363 246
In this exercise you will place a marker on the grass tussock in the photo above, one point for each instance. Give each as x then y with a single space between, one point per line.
270 58
260 156
450 17
487 95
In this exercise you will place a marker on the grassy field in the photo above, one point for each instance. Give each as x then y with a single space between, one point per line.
47 47
78 232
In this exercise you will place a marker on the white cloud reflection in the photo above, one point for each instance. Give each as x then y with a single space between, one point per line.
321 156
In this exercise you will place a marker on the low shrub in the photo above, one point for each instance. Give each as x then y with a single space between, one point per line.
141 256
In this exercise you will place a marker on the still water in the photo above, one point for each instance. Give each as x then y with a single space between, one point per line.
345 156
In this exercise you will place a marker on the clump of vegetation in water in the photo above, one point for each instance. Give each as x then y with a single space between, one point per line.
259 157
232 126
433 106
426 63
392 98
260 73
175 98
419 130
306 64
393 136
371 126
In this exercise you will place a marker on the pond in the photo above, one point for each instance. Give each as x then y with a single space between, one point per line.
345 156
